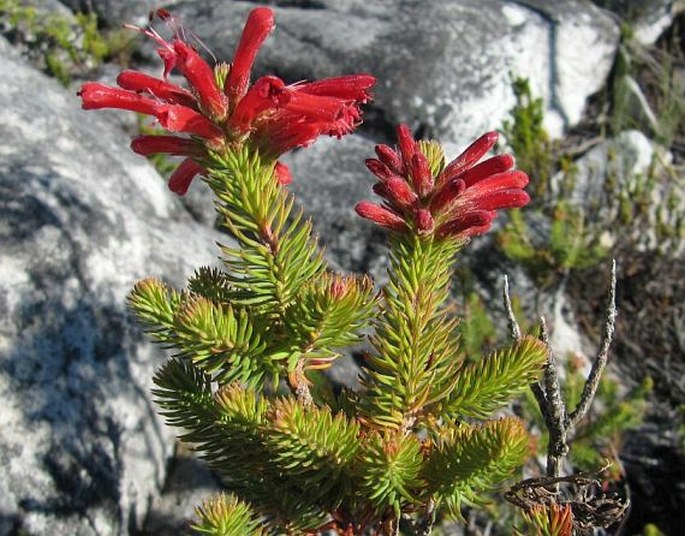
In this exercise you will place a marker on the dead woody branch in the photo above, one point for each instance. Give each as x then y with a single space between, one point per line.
561 423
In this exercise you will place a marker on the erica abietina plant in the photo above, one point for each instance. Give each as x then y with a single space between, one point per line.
415 442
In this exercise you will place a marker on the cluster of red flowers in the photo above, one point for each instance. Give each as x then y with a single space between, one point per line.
461 201
221 108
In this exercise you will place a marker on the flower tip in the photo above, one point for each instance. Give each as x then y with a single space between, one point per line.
491 137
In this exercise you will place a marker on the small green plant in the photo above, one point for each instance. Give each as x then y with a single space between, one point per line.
645 91
528 139
60 45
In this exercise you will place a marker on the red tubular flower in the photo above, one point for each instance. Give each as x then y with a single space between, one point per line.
351 88
95 96
200 76
469 157
161 89
173 145
183 175
268 116
462 201
260 23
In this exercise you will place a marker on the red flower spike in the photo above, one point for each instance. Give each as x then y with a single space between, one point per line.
380 216
144 83
421 174
201 78
492 166
352 87
95 96
183 175
283 175
181 119
147 145
260 23
390 158
267 93
461 204
469 157
424 221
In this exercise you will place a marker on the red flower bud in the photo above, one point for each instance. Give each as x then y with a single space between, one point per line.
380 215
421 174
469 157
448 195
381 170
397 192
407 146
491 166
424 221
469 224
283 175
390 158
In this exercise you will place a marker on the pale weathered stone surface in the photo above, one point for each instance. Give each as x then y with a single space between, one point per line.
81 218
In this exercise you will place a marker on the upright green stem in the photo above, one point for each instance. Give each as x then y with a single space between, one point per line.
413 340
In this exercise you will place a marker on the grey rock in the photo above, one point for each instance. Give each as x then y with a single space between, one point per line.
329 178
114 13
630 162
648 18
443 65
81 449
189 482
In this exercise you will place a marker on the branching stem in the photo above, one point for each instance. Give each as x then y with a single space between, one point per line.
548 395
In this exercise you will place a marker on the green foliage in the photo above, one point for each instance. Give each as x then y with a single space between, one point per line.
562 240
226 515
528 138
492 382
390 466
60 45
414 363
639 71
557 236
470 458
315 448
